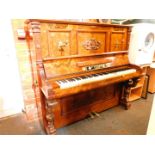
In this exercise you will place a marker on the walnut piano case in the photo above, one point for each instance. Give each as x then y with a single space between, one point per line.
82 68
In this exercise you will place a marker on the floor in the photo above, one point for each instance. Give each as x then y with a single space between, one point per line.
114 121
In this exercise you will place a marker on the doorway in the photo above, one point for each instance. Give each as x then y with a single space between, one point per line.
11 99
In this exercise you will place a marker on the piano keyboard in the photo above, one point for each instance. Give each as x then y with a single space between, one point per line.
72 82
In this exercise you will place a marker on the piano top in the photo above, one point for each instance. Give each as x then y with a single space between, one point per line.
73 22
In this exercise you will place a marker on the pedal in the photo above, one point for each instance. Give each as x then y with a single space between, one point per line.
91 115
96 114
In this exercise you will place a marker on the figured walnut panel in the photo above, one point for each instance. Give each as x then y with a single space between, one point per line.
57 67
44 40
59 43
94 62
118 41
72 103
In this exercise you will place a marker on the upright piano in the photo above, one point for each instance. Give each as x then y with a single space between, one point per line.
82 69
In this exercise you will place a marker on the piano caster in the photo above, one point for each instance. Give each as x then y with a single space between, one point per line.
96 114
50 130
91 115
127 106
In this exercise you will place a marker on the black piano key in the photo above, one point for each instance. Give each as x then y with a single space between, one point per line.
78 78
101 73
89 76
59 82
64 81
96 74
83 77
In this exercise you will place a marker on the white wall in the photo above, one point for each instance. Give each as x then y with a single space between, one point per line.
11 100
151 124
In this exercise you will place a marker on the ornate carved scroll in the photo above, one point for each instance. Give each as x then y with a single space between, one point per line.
91 44
126 90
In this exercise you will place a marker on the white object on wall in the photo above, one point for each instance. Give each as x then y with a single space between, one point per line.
142 44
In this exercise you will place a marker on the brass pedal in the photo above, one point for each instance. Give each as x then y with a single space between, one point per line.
91 115
96 114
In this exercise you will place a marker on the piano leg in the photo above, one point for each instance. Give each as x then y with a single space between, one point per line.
124 97
125 92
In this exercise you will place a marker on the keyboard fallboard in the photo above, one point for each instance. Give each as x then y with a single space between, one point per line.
64 67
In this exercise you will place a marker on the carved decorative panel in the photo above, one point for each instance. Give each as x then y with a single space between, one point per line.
91 42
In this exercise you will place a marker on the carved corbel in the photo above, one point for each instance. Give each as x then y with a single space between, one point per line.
50 116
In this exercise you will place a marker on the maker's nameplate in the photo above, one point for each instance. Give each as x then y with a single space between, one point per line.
96 67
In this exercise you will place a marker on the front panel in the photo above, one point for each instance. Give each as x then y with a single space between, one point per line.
76 107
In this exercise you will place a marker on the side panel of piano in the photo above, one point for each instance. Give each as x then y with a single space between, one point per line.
59 46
